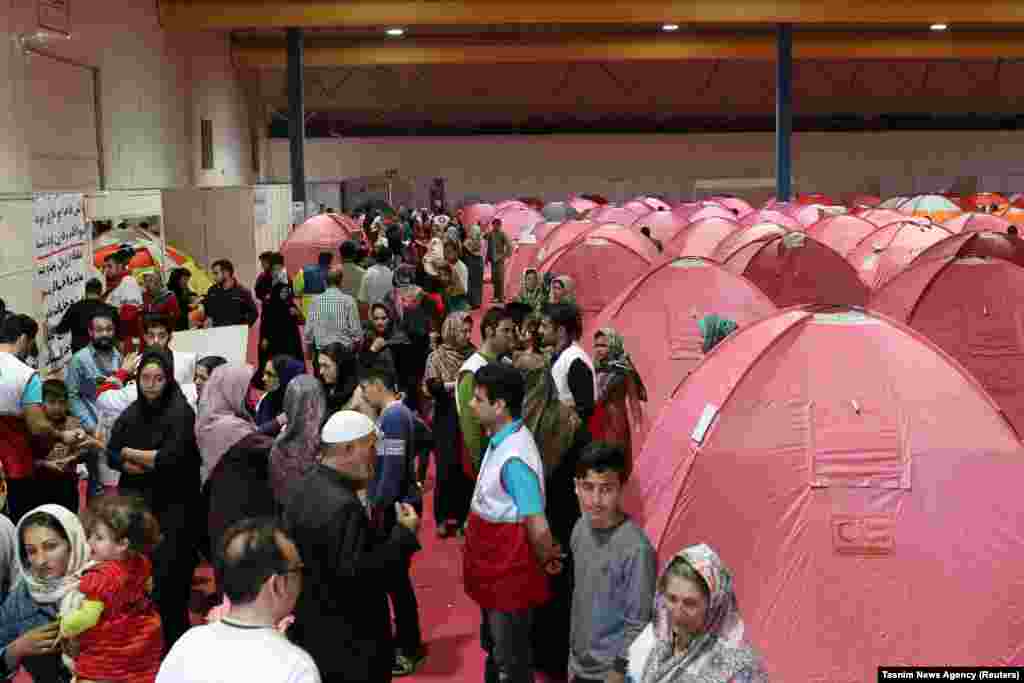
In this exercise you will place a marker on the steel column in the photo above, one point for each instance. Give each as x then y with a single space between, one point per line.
296 115
784 114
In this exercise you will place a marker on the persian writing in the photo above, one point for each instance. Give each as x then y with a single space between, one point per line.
60 236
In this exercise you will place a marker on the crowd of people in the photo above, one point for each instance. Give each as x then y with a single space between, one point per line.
302 480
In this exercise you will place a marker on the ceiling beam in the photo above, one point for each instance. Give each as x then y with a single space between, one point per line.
831 46
192 15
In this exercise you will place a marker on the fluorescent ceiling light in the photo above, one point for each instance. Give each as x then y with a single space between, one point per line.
395 32
670 27
939 27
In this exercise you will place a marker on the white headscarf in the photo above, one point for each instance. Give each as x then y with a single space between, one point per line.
52 591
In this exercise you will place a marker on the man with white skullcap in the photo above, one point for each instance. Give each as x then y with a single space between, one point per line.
342 617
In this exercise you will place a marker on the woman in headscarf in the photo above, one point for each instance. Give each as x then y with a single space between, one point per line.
715 329
276 375
620 391
531 290
456 294
153 445
473 257
295 450
697 633
380 336
157 299
204 368
52 552
417 314
339 373
177 282
235 471
280 318
563 290
453 490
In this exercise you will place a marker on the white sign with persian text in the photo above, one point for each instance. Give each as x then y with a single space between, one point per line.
61 242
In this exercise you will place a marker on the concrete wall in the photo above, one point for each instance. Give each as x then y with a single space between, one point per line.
622 166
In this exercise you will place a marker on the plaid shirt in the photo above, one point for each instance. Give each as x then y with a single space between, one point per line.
333 317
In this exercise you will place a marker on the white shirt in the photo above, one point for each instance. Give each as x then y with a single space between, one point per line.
220 653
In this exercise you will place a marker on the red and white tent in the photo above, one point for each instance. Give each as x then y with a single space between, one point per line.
972 308
658 316
794 269
602 263
861 486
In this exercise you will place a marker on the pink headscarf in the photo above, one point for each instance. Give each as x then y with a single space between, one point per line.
223 420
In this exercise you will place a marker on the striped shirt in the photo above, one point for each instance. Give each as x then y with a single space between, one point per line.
333 317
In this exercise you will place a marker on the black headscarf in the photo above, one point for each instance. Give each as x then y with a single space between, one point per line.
348 376
156 356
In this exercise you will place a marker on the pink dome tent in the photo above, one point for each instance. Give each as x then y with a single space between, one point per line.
882 217
708 210
771 216
795 269
602 263
516 219
510 204
739 207
562 236
638 207
658 316
324 232
614 214
971 308
736 240
524 255
701 238
807 215
844 496
863 201
656 203
976 222
664 225
842 233
582 205
979 244
477 214
884 253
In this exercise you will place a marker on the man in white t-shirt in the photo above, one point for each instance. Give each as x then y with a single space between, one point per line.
261 572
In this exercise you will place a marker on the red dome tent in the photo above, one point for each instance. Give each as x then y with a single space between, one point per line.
884 253
980 244
658 316
737 239
324 232
842 233
882 217
771 216
562 236
477 214
862 488
708 210
701 238
796 269
516 219
582 205
734 204
975 222
602 263
638 207
971 308
664 225
613 214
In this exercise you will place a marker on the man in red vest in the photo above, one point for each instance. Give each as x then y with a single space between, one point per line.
509 547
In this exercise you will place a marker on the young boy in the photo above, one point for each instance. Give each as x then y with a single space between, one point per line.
615 570
56 464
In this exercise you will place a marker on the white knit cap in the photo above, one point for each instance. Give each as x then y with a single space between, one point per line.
346 426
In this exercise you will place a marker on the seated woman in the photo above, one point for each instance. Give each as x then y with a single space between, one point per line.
276 375
697 633
620 392
52 553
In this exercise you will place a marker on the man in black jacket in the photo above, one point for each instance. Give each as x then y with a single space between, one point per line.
228 302
342 618
78 317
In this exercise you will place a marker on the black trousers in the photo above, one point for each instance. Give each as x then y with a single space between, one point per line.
174 563
408 637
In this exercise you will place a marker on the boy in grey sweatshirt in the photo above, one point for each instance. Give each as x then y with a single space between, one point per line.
615 571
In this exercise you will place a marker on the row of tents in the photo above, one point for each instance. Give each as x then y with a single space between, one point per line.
852 450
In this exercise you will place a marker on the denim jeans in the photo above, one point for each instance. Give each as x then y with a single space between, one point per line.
506 638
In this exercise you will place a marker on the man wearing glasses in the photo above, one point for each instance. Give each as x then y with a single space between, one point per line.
262 575
342 618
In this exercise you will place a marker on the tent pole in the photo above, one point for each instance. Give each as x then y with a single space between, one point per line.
297 116
784 114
